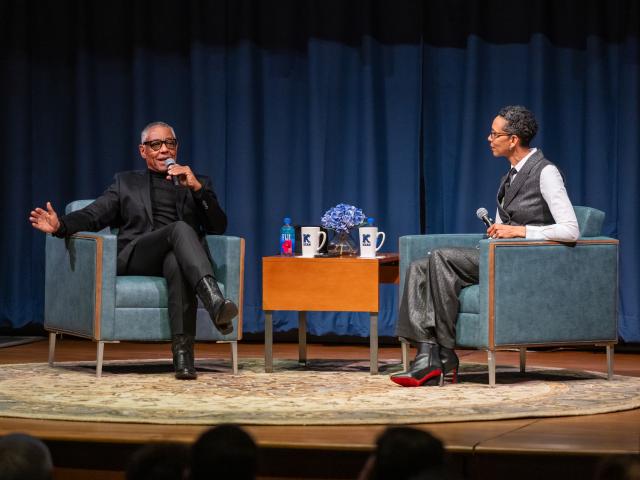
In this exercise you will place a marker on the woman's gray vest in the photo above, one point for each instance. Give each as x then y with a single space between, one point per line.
522 203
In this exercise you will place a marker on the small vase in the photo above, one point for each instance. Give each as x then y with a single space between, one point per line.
342 245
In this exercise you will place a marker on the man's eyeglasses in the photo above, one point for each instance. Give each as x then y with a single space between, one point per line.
156 145
493 135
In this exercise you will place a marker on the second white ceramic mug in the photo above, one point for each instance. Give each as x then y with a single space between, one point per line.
310 240
368 240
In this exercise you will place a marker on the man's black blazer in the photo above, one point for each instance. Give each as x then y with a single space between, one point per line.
126 205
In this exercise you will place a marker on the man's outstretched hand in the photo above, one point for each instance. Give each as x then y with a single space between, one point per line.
45 220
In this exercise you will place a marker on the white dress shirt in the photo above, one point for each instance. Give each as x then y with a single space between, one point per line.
555 194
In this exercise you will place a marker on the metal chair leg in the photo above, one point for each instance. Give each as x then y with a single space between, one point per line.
234 357
99 359
609 348
52 347
491 361
523 359
405 355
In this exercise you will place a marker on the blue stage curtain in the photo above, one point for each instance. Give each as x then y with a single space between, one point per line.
294 106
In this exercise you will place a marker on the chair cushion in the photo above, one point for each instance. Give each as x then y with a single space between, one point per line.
142 324
134 291
471 331
469 299
141 292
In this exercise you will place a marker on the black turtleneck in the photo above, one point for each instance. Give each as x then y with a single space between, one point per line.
163 200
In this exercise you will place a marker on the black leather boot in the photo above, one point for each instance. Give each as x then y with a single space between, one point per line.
220 309
182 348
427 365
450 362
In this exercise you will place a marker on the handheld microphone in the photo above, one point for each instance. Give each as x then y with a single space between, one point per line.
170 161
483 215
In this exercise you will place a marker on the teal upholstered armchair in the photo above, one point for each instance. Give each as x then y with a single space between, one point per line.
533 292
84 296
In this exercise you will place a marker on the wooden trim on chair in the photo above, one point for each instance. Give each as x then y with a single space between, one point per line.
98 283
492 300
241 290
535 243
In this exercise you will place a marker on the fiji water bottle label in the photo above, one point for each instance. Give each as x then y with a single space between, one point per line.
286 244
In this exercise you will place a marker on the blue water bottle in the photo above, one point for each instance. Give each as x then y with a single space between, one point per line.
287 238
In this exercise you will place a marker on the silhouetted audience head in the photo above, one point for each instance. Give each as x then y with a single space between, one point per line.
625 467
404 453
164 461
224 452
23 457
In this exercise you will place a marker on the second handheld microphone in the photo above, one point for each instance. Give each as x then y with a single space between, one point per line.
168 162
483 215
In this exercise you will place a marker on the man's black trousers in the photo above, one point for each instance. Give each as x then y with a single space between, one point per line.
175 253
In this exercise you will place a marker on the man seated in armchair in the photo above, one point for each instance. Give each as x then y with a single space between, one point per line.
532 203
163 214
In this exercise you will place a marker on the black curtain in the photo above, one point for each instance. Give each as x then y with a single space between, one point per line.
295 106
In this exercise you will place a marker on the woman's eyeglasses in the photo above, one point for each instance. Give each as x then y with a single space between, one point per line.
492 135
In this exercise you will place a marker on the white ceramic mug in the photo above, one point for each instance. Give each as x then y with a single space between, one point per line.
310 240
368 240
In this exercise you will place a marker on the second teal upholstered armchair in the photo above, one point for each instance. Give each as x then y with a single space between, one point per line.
532 292
84 297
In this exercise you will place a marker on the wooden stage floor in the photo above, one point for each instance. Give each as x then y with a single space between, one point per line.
562 447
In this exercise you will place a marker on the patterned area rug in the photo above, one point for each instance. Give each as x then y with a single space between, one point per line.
325 393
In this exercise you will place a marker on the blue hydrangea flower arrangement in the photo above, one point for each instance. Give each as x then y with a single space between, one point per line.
342 218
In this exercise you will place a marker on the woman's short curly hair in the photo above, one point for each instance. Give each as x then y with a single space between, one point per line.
520 122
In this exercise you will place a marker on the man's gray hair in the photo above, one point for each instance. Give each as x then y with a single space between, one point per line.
520 122
145 130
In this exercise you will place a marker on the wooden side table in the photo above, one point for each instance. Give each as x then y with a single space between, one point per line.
333 284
